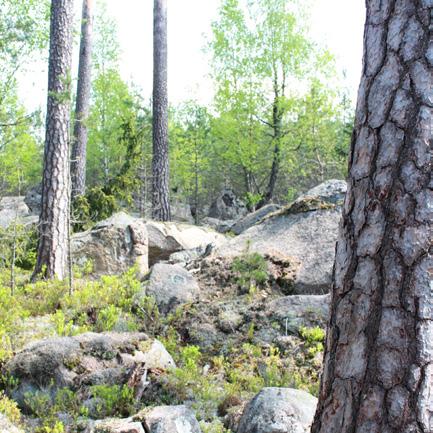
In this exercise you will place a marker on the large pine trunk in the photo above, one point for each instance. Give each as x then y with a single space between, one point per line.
54 218
378 372
160 162
79 143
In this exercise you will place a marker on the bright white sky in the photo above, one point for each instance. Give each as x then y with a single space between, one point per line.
336 24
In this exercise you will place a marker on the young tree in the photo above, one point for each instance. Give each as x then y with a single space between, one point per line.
79 143
160 162
52 253
378 372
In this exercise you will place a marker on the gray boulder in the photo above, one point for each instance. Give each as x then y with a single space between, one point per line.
305 231
330 191
168 419
33 199
253 218
168 238
278 410
88 359
14 209
113 245
117 426
159 419
171 286
181 212
227 206
292 312
221 226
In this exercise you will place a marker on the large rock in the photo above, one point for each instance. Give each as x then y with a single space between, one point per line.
168 238
227 206
113 245
253 218
292 312
221 226
278 410
159 419
168 419
117 426
88 359
171 286
306 231
330 191
33 199
14 209
181 212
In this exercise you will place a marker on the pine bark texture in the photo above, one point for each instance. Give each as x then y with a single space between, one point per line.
160 162
378 372
54 218
79 143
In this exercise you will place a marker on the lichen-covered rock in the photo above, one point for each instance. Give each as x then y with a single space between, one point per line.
306 231
117 426
278 410
227 206
113 245
253 218
168 419
292 312
221 226
33 199
166 238
171 286
85 360
14 209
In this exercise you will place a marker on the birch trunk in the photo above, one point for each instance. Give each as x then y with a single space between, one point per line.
378 372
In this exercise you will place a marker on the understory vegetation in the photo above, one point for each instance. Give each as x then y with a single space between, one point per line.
210 384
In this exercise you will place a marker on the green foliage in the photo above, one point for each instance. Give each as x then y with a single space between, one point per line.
250 270
314 339
23 33
11 313
215 426
19 245
113 400
10 409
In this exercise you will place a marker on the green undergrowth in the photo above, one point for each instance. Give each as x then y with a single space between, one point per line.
209 384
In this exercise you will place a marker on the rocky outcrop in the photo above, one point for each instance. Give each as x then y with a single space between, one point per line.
253 218
278 410
113 245
168 238
227 206
159 419
88 359
168 419
33 199
220 226
292 312
171 286
306 231
14 209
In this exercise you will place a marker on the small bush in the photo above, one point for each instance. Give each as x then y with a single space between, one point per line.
251 271
114 400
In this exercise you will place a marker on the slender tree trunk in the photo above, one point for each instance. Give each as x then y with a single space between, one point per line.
378 372
160 163
54 217
276 138
79 144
